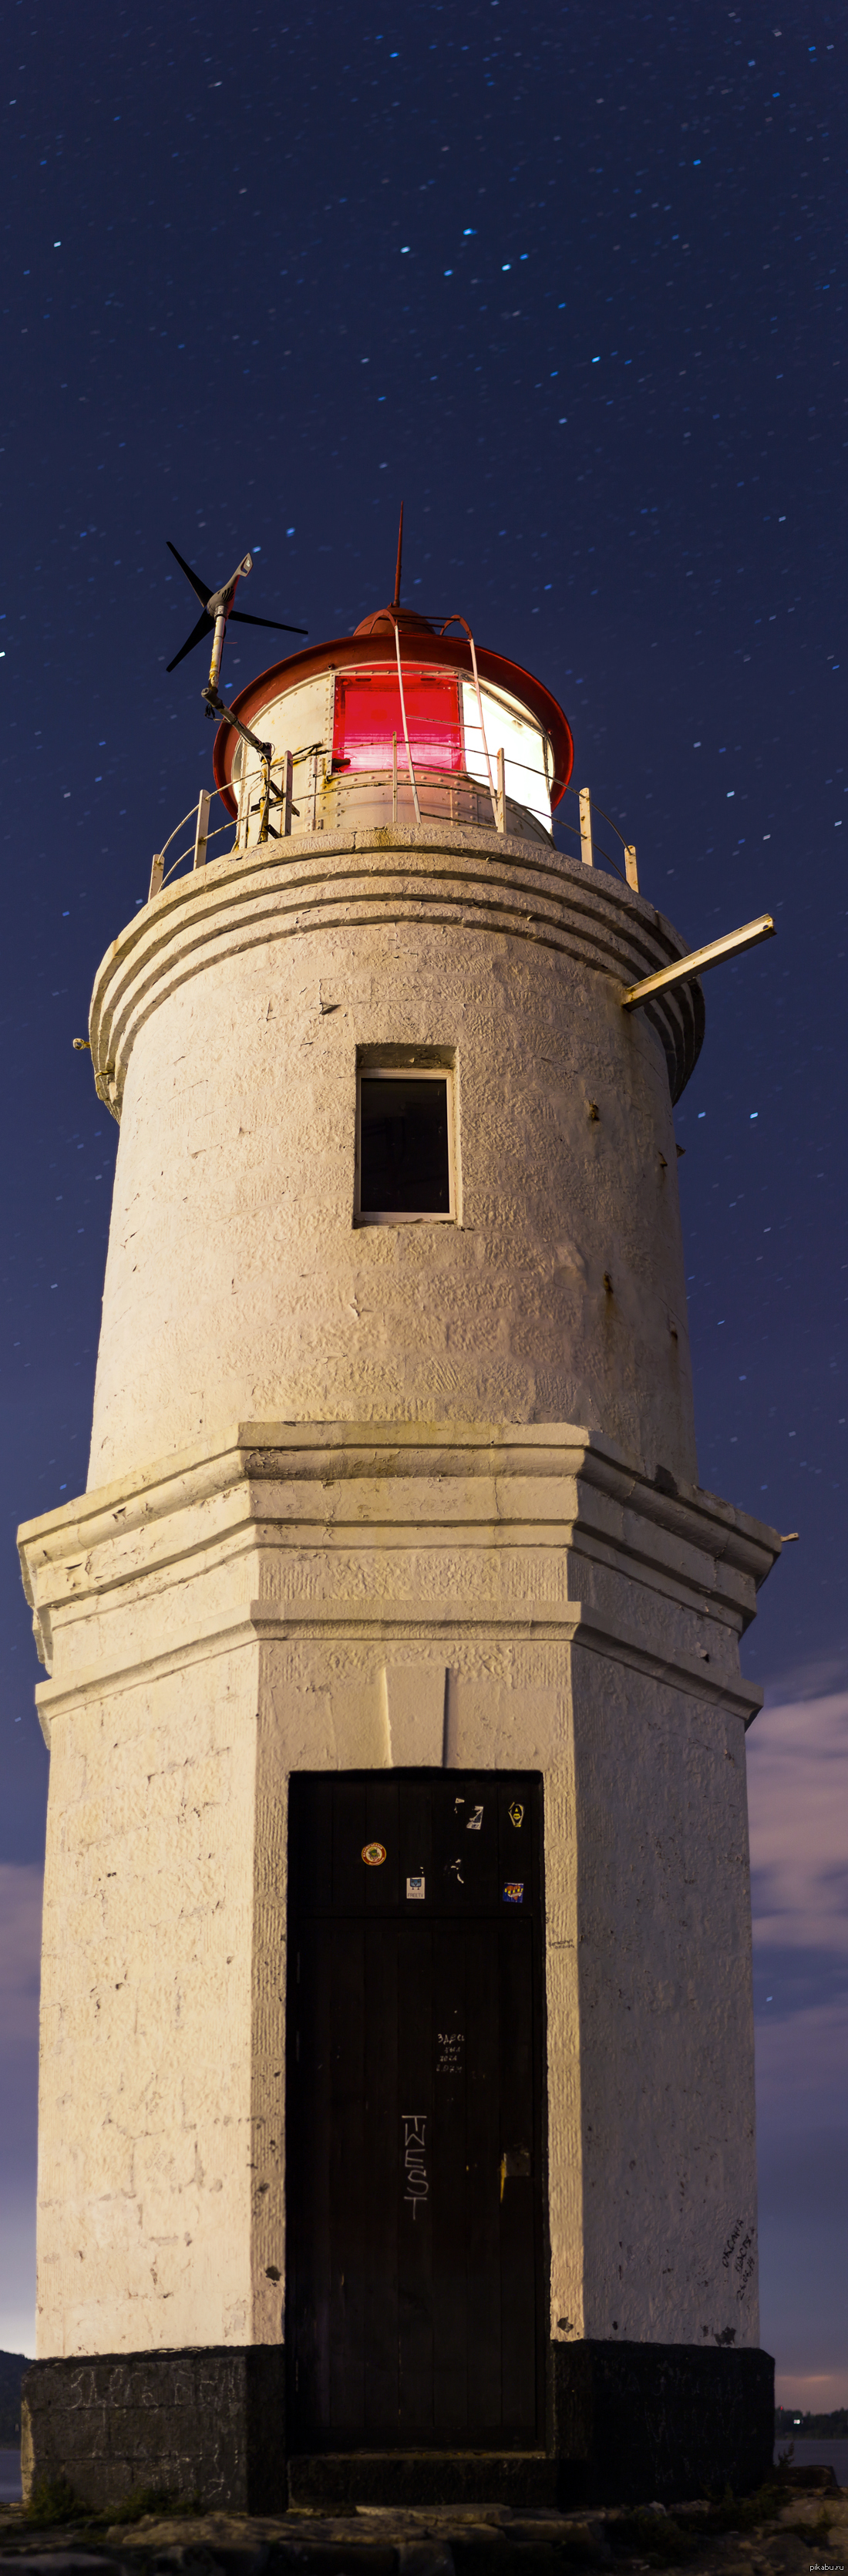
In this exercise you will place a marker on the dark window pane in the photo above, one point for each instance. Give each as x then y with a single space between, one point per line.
404 1146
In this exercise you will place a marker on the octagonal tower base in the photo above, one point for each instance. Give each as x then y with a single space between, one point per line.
422 1603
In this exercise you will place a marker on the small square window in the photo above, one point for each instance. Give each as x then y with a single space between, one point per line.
404 1146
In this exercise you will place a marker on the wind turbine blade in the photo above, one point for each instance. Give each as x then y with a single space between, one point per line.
205 626
238 617
198 586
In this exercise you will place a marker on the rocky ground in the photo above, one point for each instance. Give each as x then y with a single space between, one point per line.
805 2534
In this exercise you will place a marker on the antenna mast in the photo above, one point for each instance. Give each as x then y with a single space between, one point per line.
218 607
396 600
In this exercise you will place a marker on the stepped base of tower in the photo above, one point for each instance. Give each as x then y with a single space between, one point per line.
396 1982
627 2424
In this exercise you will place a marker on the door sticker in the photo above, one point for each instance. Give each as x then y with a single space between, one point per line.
415 1884
516 1813
514 1891
475 1821
518 2162
451 2044
415 2158
453 1869
373 1855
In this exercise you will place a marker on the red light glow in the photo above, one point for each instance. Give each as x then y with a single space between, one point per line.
368 713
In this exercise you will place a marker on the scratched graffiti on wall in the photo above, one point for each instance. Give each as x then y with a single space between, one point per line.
414 2125
739 2252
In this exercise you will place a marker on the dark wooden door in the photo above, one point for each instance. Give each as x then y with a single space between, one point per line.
414 2125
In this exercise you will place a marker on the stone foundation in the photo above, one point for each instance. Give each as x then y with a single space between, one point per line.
402 2481
627 2424
636 2423
208 2423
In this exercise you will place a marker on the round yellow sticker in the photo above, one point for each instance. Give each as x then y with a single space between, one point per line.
373 1854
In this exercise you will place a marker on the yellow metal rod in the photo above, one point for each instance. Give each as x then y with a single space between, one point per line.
699 959
217 647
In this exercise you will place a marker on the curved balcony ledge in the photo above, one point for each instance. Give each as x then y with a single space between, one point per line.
434 876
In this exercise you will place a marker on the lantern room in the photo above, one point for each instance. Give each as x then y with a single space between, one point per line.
396 723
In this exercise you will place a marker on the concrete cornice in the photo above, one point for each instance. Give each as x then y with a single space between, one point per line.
552 1493
260 1625
462 877
330 1453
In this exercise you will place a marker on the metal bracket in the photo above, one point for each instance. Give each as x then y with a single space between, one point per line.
750 935
215 707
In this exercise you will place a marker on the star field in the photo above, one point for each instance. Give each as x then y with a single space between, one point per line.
570 282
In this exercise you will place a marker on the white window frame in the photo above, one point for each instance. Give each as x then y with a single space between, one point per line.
405 1071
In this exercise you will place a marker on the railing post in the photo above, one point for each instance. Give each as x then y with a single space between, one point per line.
156 874
288 780
586 829
630 867
262 833
202 833
500 800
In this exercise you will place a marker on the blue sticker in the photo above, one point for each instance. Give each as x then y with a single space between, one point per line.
513 1891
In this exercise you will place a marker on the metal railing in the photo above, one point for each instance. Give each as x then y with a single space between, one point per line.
196 850
430 792
582 831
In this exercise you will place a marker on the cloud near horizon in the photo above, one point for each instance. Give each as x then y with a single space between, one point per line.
798 1801
798 1798
20 1961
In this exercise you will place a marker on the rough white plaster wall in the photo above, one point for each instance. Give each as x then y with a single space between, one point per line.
666 2013
415 1712
264 2250
237 1285
564 2044
144 2113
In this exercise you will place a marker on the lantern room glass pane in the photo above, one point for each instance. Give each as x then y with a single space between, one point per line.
523 747
368 713
404 1157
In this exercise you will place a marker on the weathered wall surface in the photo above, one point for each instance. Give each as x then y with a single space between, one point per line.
226 1024
306 1598
144 2112
666 2013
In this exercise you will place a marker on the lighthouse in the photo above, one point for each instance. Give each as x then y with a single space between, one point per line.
396 2133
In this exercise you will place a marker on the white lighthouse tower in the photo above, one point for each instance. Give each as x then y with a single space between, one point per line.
397 2109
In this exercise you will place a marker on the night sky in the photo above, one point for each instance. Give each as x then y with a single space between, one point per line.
569 281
